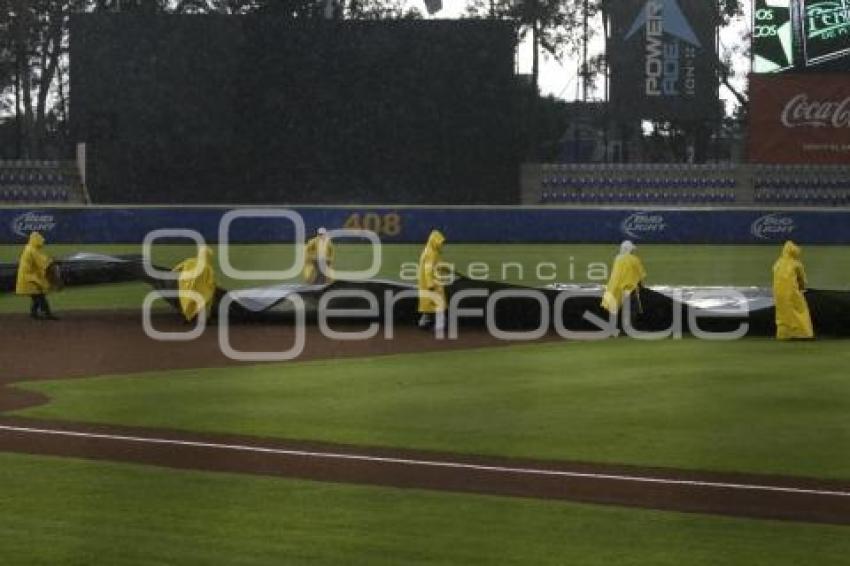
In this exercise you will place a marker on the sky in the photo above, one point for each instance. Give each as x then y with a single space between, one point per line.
561 80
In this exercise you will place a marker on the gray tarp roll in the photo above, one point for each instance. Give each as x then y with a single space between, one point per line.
719 308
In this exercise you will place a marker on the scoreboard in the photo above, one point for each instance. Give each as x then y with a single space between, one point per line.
801 35
773 36
826 30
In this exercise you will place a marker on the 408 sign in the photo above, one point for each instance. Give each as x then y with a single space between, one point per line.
388 224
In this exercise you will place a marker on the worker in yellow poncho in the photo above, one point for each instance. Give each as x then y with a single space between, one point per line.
626 276
432 296
196 274
32 277
789 283
318 259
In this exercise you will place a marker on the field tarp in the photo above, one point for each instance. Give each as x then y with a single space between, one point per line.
509 307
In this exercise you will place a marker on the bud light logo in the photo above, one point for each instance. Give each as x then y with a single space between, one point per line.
641 224
29 222
773 227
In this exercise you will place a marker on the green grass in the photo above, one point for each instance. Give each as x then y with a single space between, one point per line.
828 266
751 406
131 295
64 512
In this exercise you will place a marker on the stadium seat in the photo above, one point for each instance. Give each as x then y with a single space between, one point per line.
670 184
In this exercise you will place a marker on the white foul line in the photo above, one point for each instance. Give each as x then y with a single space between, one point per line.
424 463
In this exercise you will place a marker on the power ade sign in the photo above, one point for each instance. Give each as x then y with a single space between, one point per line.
799 119
663 55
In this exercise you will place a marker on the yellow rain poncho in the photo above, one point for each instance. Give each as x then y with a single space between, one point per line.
626 275
32 268
429 275
789 282
318 249
202 282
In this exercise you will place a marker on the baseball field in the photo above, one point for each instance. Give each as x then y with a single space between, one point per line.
422 451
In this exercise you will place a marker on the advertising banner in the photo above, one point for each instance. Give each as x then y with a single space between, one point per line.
800 118
103 225
663 59
773 36
826 31
801 35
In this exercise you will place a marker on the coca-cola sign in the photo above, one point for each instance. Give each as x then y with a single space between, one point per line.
799 119
801 111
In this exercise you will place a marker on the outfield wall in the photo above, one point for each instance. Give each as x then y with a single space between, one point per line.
100 225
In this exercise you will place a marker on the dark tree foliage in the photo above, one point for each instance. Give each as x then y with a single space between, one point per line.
554 26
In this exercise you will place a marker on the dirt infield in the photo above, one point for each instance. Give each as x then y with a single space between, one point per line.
86 344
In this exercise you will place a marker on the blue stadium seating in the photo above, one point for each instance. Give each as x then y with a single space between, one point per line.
694 185
36 181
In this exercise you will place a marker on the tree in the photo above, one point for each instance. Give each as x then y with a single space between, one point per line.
557 28
37 42
7 66
353 9
380 10
554 26
227 7
730 10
